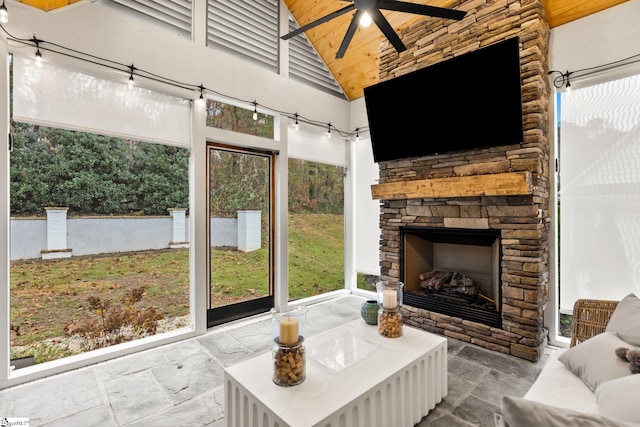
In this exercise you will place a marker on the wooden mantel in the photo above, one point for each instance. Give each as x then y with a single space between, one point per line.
498 184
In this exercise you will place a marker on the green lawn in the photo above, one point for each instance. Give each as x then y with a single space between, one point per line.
49 297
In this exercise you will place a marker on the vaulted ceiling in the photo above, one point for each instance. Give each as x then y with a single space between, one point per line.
359 66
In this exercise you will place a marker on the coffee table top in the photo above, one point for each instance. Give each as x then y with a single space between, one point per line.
342 365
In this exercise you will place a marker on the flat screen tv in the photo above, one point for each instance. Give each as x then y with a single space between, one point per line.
470 101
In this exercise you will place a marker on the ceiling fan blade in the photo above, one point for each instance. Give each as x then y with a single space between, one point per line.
387 30
353 26
319 21
421 9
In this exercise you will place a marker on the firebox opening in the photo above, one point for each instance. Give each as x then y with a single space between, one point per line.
452 271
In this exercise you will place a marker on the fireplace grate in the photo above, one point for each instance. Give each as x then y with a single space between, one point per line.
454 309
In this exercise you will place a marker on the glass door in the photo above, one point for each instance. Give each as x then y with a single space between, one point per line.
240 233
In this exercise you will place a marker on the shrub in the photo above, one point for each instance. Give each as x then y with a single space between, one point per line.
115 324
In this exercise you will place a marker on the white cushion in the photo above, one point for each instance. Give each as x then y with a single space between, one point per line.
557 385
595 360
619 399
525 413
625 319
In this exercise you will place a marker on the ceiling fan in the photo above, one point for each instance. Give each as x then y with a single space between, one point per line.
373 9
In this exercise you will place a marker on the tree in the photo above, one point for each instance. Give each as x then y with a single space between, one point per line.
94 174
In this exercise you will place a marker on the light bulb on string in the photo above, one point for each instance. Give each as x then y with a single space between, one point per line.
329 131
357 135
296 125
4 13
567 85
38 58
130 83
255 110
365 20
201 99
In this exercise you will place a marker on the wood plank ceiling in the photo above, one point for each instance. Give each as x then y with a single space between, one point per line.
359 67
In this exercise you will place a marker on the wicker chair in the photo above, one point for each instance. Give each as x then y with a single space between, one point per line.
590 317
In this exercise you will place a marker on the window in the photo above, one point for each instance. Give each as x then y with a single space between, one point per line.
599 183
316 228
99 230
237 119
93 261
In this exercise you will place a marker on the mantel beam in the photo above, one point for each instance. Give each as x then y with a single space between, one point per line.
499 184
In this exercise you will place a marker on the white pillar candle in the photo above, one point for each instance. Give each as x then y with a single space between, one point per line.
289 331
390 299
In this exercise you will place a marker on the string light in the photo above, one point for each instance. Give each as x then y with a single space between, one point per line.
201 99
562 79
38 54
131 70
130 83
357 134
4 13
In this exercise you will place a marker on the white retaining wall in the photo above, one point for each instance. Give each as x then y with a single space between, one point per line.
99 235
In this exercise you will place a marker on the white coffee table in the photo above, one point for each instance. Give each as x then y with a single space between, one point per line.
354 378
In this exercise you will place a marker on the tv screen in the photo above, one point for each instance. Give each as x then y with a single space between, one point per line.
470 101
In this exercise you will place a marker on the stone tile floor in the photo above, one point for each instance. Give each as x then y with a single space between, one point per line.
180 384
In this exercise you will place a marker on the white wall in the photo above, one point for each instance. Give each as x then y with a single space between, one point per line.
594 40
367 210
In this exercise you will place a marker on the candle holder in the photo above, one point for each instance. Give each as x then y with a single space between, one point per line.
289 358
389 315
390 294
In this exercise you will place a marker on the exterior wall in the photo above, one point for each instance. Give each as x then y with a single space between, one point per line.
522 220
90 236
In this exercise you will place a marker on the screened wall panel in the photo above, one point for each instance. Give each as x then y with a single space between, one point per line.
599 193
317 148
247 28
60 97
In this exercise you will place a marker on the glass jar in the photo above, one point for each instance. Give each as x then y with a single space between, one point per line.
390 323
289 360
390 294
289 363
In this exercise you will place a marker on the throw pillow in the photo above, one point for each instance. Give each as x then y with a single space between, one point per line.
625 319
519 412
619 399
595 360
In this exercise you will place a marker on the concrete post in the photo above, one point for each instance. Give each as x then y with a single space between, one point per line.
56 234
179 229
249 236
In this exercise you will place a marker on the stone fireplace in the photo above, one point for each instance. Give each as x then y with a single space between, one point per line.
482 213
452 271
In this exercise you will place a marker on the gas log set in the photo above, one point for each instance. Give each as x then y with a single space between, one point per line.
453 284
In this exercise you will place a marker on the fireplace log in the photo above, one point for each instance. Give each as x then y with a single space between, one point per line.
458 279
448 282
439 279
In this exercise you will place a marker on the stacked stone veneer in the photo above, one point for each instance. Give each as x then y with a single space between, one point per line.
522 220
